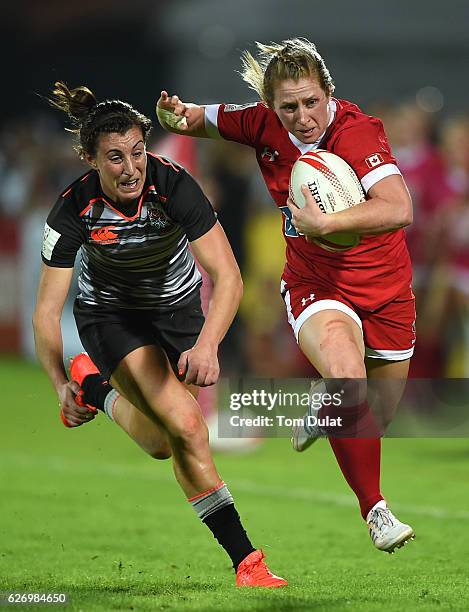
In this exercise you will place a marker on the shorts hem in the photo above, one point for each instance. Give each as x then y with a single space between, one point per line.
319 307
389 355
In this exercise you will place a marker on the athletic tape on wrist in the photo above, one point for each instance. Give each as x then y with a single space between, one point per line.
169 118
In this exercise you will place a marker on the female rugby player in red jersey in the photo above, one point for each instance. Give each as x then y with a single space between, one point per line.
352 311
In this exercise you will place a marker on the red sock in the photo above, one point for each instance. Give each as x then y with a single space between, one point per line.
359 460
355 421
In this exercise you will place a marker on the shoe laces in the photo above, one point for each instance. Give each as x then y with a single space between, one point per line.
380 519
257 568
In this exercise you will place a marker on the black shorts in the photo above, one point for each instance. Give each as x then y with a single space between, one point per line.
109 334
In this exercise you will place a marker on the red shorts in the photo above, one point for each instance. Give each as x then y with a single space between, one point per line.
388 332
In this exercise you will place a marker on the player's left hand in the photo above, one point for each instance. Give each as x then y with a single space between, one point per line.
72 412
199 365
309 220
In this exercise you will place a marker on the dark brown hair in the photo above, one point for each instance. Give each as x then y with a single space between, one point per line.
91 118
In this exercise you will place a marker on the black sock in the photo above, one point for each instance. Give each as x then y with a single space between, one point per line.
226 527
95 389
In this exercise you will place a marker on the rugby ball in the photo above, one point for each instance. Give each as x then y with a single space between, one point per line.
334 187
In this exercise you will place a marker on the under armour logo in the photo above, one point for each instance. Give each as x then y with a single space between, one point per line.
304 300
269 154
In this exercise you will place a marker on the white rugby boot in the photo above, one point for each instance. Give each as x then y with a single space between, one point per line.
386 531
307 432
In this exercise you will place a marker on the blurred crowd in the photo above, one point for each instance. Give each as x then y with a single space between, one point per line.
37 161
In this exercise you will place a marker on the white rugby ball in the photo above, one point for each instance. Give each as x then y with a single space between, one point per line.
333 185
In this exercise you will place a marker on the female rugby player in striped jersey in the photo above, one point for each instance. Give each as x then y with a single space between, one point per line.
138 311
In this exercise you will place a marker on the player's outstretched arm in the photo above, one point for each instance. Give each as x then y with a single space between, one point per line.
181 117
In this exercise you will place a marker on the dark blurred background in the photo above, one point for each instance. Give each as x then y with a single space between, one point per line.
406 62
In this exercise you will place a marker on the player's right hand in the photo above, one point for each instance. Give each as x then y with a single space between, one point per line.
199 365
184 114
171 103
171 112
309 220
71 413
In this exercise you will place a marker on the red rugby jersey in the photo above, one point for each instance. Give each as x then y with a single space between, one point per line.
370 274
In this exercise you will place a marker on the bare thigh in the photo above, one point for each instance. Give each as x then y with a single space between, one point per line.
333 343
149 435
147 380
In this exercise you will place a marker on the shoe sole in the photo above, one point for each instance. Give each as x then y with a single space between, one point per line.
262 586
305 445
407 537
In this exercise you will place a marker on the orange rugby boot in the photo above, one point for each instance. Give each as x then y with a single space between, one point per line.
64 420
253 572
80 367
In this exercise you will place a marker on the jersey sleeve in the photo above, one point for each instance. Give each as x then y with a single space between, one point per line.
188 206
365 147
238 122
63 235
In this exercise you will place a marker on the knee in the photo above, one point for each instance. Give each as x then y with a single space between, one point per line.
190 430
344 355
347 368
352 391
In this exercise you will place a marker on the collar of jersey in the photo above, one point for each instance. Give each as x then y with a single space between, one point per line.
304 148
146 189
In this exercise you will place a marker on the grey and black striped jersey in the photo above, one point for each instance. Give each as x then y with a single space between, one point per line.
137 257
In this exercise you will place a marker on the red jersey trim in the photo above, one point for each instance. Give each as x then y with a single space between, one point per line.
89 205
166 162
199 495
83 178
121 214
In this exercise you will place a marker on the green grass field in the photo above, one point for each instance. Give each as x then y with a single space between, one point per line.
85 512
